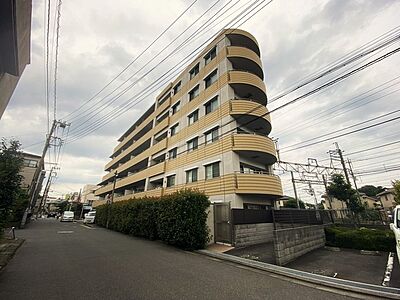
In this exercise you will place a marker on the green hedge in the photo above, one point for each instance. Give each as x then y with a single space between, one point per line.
362 239
178 219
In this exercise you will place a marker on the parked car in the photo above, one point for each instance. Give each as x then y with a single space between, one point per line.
395 227
67 216
51 214
89 217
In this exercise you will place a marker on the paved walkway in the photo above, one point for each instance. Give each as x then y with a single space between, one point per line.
71 261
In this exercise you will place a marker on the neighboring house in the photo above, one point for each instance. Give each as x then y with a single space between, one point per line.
386 198
28 170
15 41
207 130
336 204
88 195
370 202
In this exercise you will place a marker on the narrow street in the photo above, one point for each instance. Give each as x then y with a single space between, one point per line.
71 261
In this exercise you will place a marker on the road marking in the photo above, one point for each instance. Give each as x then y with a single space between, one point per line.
87 227
65 231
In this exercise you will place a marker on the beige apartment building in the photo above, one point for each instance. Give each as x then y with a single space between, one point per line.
207 130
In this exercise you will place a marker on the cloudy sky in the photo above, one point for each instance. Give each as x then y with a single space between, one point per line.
98 39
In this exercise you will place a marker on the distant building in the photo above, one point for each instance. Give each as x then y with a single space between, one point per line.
370 202
88 193
15 41
336 204
386 198
31 162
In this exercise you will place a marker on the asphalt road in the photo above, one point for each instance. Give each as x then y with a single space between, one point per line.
70 261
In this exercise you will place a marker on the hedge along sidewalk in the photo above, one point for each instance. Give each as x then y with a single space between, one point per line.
8 249
361 239
179 219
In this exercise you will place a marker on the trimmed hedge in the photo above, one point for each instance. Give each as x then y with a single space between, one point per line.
361 239
179 219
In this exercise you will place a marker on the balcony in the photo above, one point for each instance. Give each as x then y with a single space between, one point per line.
248 86
246 60
256 147
254 115
258 183
242 38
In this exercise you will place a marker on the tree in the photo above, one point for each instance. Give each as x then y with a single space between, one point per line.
396 187
292 203
343 191
11 161
371 190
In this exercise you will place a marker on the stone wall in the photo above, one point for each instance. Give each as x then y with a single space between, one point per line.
253 234
292 243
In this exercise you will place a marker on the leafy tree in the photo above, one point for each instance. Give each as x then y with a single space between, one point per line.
371 190
292 203
11 161
396 186
62 206
343 191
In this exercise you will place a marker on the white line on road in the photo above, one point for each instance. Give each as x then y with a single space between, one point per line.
87 227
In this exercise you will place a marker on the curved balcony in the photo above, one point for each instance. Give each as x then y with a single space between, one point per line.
242 38
251 113
257 147
261 184
248 86
246 60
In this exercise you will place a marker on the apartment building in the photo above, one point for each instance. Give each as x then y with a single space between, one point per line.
207 130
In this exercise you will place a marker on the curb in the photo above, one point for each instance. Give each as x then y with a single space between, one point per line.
10 256
341 284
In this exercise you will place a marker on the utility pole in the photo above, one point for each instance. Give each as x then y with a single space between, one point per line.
312 192
294 189
112 197
46 191
34 189
339 152
326 191
354 179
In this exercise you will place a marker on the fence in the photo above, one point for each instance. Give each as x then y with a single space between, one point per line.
283 218
369 217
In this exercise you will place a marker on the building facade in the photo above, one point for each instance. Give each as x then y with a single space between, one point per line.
386 199
88 196
15 43
207 130
30 164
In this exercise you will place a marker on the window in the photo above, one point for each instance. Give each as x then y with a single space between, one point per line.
176 107
212 170
172 153
211 135
210 55
193 117
162 100
211 105
171 180
193 72
191 175
174 129
30 163
193 144
177 87
210 79
194 92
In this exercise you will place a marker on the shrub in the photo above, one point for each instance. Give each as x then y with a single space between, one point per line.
178 219
362 239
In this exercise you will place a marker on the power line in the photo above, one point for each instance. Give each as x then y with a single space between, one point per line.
128 105
133 61
56 59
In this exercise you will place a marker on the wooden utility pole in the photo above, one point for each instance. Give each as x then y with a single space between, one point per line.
339 152
294 189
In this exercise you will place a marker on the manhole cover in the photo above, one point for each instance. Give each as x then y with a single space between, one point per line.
65 231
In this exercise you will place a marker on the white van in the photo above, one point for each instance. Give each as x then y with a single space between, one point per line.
67 216
395 226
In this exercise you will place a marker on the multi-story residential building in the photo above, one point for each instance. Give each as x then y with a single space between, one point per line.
15 45
88 195
30 164
207 130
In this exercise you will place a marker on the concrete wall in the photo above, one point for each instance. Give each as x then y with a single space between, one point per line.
210 224
253 234
292 243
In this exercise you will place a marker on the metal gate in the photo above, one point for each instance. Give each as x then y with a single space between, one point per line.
222 223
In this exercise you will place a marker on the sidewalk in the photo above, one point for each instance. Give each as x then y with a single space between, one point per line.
7 250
